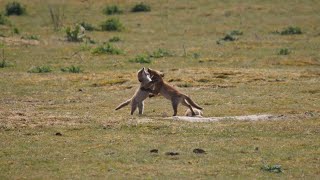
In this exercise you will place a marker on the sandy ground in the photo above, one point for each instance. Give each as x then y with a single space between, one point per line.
255 117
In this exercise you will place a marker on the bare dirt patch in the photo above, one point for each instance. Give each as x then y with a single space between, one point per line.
18 41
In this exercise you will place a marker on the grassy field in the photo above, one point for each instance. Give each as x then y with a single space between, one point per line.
231 57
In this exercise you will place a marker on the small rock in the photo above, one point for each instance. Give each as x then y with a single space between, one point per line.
58 134
154 151
199 151
171 153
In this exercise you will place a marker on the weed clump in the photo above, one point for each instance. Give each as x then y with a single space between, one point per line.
291 31
107 49
112 24
15 8
141 7
284 51
40 69
114 39
142 59
75 34
72 69
111 10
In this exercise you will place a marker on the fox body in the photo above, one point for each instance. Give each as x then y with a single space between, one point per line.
140 95
170 93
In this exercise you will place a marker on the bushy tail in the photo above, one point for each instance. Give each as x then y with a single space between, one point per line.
123 104
193 104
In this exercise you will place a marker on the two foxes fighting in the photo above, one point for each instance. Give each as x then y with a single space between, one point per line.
151 84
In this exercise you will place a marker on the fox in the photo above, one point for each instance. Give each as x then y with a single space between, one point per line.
140 95
170 93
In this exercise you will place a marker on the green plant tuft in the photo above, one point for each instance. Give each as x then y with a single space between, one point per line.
72 69
284 51
15 8
272 168
112 24
141 7
291 31
40 69
160 53
142 59
112 9
4 64
114 39
107 49
31 37
236 33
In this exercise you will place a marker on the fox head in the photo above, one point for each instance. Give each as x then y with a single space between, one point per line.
155 75
144 77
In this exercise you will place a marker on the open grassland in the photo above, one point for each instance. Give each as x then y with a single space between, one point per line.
63 125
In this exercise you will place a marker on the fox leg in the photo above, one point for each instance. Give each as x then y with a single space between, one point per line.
133 107
189 106
140 107
175 104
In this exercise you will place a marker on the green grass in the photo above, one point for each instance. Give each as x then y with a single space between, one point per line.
242 77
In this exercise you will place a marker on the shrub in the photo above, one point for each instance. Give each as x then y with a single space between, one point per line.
291 31
107 49
284 51
160 53
75 34
15 8
113 9
112 24
142 59
114 39
87 26
72 69
40 69
141 7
